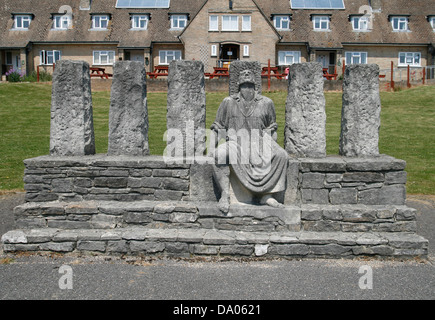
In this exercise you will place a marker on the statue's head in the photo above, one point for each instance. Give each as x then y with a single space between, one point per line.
246 76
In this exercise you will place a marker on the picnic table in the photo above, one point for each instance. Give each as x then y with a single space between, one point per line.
218 72
329 76
99 72
274 73
159 71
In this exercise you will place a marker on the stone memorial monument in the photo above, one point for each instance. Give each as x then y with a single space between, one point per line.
248 123
248 197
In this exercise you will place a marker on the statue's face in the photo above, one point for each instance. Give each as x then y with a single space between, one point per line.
247 90
246 75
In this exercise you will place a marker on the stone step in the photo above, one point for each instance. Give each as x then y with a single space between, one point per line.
184 242
114 214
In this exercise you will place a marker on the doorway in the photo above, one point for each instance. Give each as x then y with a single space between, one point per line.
135 55
327 59
230 52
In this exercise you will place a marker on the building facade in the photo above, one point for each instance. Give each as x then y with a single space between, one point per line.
334 32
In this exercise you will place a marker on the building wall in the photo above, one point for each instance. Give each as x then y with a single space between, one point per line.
72 52
383 55
198 40
162 46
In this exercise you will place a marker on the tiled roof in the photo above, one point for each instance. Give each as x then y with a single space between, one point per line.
119 28
159 26
341 29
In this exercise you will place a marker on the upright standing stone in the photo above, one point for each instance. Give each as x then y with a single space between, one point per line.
305 117
72 128
360 115
186 109
128 116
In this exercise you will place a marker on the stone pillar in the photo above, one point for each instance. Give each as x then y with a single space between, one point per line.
360 115
186 109
305 117
128 116
72 128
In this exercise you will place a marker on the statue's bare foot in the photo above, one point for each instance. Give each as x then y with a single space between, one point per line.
271 201
224 204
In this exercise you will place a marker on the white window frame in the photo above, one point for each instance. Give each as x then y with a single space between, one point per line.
213 50
229 25
246 23
356 55
280 20
137 19
360 23
48 57
100 18
167 54
409 58
320 20
432 22
284 55
246 50
108 55
400 21
213 25
177 20
59 22
20 19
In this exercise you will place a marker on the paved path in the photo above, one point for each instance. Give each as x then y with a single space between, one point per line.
103 277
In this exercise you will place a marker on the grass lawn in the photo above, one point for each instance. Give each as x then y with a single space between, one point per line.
407 128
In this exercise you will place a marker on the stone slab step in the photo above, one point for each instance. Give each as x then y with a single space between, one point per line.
198 242
309 217
114 214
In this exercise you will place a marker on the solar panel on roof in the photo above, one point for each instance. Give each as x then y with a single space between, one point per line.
317 4
142 3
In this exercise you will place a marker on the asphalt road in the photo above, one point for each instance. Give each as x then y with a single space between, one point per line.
91 277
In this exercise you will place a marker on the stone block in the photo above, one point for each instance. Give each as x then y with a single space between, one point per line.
91 245
304 133
343 196
289 249
395 177
389 194
235 249
331 249
312 180
369 177
360 117
128 115
72 129
118 246
317 196
147 246
57 246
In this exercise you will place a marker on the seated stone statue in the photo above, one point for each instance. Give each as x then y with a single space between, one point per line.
247 122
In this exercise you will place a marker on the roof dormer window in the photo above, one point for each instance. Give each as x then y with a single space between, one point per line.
61 22
22 21
399 23
100 21
178 21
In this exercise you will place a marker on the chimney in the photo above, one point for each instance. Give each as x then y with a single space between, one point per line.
376 5
85 4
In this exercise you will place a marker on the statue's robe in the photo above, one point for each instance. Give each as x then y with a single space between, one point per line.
260 165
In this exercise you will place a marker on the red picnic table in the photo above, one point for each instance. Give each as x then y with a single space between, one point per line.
274 73
159 71
99 72
218 72
329 76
